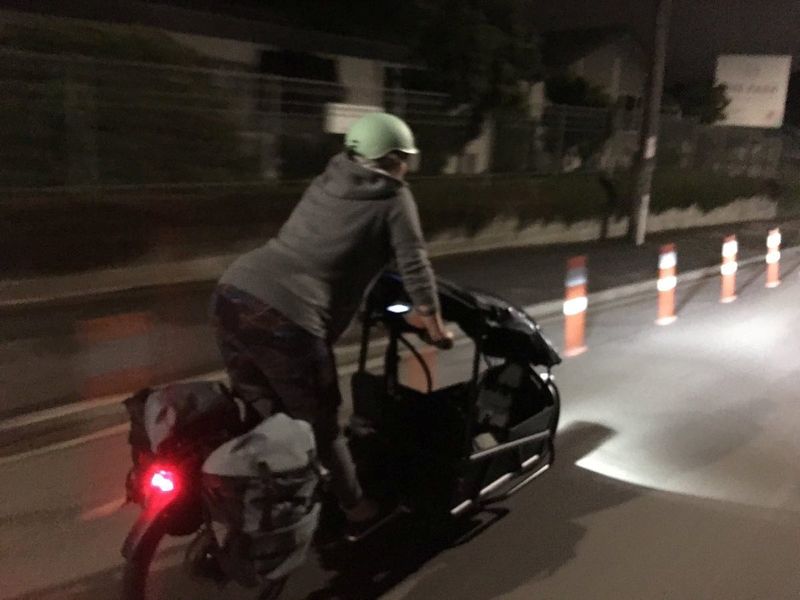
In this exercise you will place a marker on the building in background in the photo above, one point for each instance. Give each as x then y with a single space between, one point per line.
241 98
609 58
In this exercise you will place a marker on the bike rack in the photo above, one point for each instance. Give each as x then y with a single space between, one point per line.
467 504
499 482
489 452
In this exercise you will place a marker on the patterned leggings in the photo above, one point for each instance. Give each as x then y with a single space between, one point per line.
280 367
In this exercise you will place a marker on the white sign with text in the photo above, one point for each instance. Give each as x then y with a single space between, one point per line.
756 86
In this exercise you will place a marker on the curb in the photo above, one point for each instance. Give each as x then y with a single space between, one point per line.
37 292
198 271
648 285
346 355
194 271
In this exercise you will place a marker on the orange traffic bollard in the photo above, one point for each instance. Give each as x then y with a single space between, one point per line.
730 248
575 304
118 353
774 258
667 282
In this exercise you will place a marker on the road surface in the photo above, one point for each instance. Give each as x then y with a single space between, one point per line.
676 478
46 360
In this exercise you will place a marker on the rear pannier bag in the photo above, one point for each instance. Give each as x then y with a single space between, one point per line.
202 413
260 488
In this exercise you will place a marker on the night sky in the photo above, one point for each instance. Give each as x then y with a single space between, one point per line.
699 29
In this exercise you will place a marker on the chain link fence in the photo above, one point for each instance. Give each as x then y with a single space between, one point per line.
68 121
76 121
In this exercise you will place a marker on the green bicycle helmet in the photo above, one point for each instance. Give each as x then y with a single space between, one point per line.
377 134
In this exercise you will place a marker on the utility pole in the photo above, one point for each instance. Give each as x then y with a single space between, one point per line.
646 156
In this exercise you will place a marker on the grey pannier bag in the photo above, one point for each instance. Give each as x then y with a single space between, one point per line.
192 410
260 488
203 414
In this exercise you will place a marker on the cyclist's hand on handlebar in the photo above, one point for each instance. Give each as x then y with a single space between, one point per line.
443 343
431 329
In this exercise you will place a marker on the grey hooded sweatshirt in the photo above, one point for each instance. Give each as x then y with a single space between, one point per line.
349 224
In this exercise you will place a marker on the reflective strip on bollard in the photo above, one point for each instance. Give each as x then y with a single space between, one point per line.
669 260
730 248
575 306
666 284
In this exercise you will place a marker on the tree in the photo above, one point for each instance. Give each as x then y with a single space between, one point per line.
480 53
482 57
477 52
700 99
575 91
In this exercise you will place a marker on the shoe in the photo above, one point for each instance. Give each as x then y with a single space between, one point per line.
356 530
201 558
365 510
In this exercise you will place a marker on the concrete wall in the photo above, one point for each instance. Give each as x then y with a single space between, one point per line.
506 232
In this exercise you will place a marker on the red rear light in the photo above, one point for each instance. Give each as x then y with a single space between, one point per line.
163 481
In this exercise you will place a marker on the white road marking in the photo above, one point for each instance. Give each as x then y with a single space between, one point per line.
104 510
97 435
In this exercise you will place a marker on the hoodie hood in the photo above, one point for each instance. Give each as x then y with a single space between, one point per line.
345 178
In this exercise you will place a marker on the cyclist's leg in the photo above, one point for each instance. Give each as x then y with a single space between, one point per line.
270 357
231 317
302 372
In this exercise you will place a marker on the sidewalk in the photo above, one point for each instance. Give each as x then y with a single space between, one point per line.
532 277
